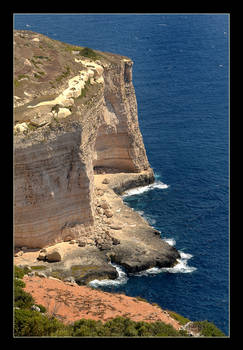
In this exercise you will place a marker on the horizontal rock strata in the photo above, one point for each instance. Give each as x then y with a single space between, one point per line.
56 152
77 147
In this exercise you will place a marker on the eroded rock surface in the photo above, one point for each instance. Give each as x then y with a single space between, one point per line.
77 147
76 115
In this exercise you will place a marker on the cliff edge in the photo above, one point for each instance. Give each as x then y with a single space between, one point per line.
77 146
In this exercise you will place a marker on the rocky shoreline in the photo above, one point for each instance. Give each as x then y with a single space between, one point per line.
120 236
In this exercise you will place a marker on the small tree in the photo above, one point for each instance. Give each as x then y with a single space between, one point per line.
87 52
55 109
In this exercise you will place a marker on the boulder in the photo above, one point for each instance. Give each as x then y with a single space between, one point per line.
104 205
135 256
81 243
99 210
19 253
53 278
108 213
70 279
103 244
41 274
53 255
21 128
41 256
31 274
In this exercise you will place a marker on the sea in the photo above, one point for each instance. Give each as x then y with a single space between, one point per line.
181 80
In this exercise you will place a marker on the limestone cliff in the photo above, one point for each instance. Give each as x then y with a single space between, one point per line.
75 115
77 147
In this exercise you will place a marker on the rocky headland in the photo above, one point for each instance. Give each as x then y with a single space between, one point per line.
77 148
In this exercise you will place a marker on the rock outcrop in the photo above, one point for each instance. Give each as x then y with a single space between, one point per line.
75 119
94 125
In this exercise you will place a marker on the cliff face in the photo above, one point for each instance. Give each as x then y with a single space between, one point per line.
75 116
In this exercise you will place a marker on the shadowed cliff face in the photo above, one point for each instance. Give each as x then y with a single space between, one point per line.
73 114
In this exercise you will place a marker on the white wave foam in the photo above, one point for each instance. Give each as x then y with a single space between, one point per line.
121 279
151 271
180 267
170 241
142 189
185 256
150 220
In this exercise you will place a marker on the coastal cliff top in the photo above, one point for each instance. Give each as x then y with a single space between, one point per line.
43 67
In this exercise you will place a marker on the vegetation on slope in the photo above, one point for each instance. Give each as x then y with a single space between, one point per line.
29 322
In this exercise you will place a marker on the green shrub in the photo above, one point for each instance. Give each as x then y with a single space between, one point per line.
71 48
55 108
16 83
65 331
64 74
85 89
87 52
42 308
141 299
22 299
32 127
181 319
21 76
143 329
208 329
28 322
18 283
130 331
121 326
33 323
163 330
20 272
38 267
116 326
85 327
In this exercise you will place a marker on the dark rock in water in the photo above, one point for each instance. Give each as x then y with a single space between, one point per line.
134 257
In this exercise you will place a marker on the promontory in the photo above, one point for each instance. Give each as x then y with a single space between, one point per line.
77 148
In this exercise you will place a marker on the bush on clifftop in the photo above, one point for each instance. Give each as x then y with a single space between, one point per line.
28 322
33 323
208 329
87 52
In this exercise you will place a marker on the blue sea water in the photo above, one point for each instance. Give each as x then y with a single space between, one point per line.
181 79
